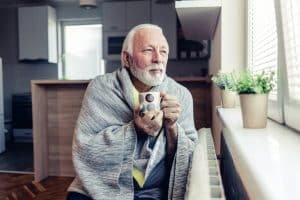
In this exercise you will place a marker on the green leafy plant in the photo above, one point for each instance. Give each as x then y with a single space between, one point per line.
260 83
225 81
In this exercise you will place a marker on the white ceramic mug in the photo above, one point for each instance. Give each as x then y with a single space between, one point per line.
149 101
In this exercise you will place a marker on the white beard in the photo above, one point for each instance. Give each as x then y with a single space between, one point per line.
145 77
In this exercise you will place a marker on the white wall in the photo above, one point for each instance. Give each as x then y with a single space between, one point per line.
233 37
214 67
228 52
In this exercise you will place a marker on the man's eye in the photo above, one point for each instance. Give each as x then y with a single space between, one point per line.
148 50
163 52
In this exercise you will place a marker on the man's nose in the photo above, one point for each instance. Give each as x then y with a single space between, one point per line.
157 58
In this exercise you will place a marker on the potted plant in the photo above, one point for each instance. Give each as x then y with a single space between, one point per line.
254 90
226 82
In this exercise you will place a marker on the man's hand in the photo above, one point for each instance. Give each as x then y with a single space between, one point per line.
171 109
150 122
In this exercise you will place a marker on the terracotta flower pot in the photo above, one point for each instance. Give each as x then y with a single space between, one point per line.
228 98
254 110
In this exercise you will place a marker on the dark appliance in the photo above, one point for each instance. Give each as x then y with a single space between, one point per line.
22 117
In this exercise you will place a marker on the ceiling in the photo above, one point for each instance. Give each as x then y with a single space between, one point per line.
199 18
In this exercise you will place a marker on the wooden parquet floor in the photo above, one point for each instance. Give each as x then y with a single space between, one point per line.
22 187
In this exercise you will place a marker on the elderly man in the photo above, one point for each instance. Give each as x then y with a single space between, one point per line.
119 153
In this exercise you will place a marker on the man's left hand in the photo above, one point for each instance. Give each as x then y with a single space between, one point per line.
171 109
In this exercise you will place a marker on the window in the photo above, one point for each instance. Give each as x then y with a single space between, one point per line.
82 51
290 12
274 44
263 47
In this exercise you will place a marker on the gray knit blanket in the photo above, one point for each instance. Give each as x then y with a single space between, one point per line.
105 139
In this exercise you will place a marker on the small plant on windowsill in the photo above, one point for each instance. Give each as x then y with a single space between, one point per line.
254 90
226 82
249 83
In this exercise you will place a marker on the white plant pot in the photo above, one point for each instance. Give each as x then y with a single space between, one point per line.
254 110
228 98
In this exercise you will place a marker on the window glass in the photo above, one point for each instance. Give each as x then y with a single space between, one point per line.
263 47
82 51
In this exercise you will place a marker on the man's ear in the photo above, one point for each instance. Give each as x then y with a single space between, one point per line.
126 59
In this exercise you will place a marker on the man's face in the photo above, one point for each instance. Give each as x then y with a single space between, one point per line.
149 55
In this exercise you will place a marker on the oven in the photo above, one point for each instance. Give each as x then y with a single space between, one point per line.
112 45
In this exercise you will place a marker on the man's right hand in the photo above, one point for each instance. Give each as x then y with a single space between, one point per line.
150 123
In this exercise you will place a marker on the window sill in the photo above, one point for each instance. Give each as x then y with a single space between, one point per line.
267 160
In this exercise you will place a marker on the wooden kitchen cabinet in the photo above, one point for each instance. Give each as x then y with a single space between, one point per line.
200 88
113 16
55 108
164 15
233 185
122 16
37 33
137 12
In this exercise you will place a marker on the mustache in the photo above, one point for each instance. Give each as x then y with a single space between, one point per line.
156 66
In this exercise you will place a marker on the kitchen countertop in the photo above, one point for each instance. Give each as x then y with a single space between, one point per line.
55 108
177 78
59 81
267 160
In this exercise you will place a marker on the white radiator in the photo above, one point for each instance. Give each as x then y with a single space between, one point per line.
204 181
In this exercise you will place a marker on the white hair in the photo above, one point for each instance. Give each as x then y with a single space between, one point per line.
128 42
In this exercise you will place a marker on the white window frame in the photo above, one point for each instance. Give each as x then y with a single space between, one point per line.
61 64
276 110
291 107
